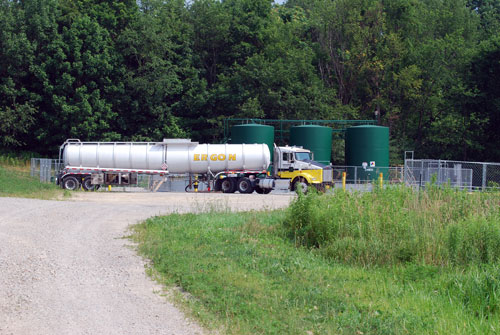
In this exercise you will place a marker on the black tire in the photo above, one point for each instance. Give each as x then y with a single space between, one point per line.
218 185
245 185
71 183
87 184
228 185
303 185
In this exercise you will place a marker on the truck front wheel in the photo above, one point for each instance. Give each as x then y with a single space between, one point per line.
300 185
71 183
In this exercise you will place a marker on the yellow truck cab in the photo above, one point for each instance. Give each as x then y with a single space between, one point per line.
298 165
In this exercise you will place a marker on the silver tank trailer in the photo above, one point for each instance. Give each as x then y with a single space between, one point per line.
178 156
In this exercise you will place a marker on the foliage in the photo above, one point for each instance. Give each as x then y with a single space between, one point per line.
143 70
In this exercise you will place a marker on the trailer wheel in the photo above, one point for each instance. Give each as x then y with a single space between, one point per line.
87 184
71 183
228 185
245 185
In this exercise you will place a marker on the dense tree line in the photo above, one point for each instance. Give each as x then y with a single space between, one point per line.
149 69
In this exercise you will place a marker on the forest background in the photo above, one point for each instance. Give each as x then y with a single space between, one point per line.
154 69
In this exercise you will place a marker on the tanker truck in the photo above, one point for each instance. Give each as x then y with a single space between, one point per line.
224 167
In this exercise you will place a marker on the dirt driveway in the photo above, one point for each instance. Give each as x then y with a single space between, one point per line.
65 267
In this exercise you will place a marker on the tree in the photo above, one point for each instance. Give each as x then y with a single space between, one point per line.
17 113
282 77
485 107
159 76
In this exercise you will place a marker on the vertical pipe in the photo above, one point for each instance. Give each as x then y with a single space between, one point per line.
344 175
381 179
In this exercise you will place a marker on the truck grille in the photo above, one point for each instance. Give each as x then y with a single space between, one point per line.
327 175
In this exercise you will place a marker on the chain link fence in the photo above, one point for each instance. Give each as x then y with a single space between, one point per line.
45 168
464 175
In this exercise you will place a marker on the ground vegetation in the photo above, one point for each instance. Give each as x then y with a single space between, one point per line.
395 261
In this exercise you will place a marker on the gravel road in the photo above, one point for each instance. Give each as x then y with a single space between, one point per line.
65 267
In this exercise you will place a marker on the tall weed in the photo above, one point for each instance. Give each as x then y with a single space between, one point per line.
475 240
15 159
398 225
478 290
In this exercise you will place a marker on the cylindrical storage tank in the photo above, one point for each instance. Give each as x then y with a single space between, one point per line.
318 139
179 157
253 133
367 148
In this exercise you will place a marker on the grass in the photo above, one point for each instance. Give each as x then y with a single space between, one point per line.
252 273
15 181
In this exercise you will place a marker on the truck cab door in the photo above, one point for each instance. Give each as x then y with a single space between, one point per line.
286 158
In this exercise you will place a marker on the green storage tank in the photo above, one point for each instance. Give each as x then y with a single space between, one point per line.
253 133
318 139
367 147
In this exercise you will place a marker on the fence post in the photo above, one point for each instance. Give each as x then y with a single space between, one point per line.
381 180
32 167
344 174
484 176
45 168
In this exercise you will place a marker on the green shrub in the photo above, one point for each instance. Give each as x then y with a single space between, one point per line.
398 225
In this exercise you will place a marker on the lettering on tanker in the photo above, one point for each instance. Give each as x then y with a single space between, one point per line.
213 157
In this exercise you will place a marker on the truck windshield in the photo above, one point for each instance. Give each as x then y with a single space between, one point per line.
302 156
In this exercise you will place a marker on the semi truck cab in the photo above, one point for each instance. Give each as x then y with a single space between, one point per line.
298 165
